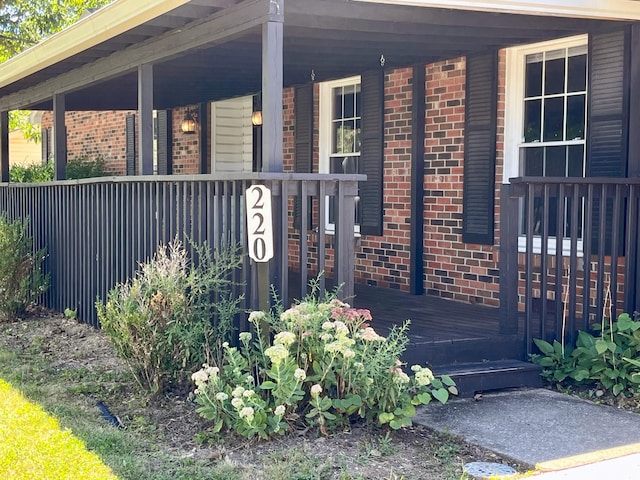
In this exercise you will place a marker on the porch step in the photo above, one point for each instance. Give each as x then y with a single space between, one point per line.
472 378
466 350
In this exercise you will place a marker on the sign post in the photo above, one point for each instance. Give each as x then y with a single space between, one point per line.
260 237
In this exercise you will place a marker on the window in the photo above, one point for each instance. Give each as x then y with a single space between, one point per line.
340 131
546 111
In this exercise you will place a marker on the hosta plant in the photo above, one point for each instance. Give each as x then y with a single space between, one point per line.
322 366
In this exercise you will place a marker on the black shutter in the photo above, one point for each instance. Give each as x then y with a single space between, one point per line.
303 141
372 152
46 144
130 144
165 139
480 149
608 106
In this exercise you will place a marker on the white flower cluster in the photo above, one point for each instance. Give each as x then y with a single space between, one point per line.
202 376
423 376
277 353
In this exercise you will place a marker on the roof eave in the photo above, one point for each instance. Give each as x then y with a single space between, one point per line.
108 22
592 9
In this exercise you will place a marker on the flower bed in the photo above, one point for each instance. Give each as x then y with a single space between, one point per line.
32 445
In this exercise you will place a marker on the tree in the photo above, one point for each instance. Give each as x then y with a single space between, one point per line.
24 23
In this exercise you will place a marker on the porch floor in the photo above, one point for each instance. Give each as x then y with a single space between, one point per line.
442 331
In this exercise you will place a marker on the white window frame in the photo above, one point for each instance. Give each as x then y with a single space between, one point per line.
325 132
514 120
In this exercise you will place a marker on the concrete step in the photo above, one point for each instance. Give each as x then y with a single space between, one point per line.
472 378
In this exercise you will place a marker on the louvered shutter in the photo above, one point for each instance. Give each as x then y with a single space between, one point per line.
303 141
607 137
165 166
372 152
130 147
480 149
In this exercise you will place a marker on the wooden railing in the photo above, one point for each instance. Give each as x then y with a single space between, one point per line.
569 254
97 231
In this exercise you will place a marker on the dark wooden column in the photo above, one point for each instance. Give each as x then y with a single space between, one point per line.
204 136
416 242
145 119
4 147
276 271
272 89
59 137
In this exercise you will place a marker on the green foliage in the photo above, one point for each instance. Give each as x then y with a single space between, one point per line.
21 279
80 167
41 172
608 359
25 22
324 368
167 320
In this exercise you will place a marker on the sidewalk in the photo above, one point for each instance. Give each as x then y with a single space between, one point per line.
545 429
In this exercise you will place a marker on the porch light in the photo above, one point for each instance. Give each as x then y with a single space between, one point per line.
256 118
189 124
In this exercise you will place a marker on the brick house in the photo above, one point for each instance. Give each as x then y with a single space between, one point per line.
440 104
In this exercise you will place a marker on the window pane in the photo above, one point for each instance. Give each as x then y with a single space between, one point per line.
575 117
554 72
533 161
337 137
555 161
349 101
533 75
553 119
532 124
577 80
576 161
337 103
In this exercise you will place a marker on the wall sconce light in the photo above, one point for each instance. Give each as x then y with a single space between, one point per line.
190 122
256 118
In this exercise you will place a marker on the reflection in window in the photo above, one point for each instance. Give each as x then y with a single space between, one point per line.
554 124
346 137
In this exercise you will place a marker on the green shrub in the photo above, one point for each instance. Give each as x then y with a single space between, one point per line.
21 279
324 367
80 167
598 360
167 320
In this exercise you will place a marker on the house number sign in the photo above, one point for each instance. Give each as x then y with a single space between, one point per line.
259 223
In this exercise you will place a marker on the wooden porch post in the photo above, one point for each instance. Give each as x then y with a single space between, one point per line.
145 119
4 147
204 131
272 147
272 89
59 137
508 261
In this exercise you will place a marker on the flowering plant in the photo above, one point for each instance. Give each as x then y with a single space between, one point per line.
325 367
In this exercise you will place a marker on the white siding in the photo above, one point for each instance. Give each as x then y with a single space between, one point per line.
232 135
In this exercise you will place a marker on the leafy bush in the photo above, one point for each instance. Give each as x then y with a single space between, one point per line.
80 167
325 367
21 279
596 360
170 317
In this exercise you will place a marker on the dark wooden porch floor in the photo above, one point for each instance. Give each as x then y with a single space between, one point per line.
442 331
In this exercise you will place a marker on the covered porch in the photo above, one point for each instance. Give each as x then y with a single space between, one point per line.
187 53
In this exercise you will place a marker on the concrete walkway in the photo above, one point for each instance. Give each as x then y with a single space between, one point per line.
545 429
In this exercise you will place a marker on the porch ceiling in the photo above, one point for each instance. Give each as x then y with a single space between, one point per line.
211 49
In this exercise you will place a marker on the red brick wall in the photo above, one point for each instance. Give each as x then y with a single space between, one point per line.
186 146
91 135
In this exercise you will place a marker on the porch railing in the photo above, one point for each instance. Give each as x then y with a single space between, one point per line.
569 254
97 231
